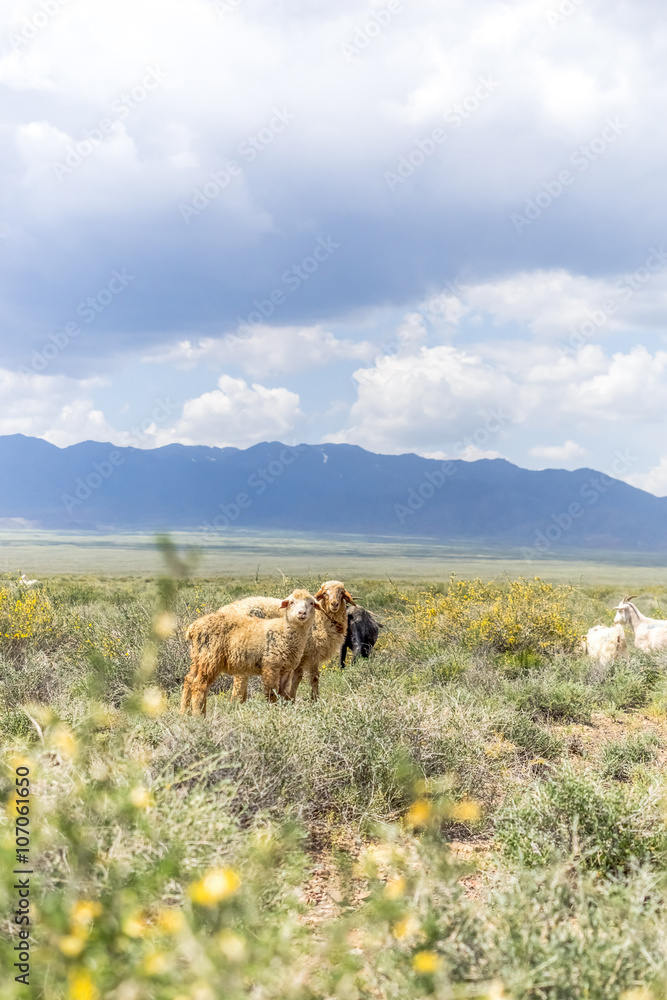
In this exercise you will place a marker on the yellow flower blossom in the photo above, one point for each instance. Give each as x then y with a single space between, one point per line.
71 945
232 946
466 811
215 887
135 926
84 912
156 963
81 986
395 888
426 962
170 921
419 813
153 701
406 928
140 797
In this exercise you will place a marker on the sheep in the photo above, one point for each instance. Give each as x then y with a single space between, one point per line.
650 633
362 633
604 644
239 644
25 582
324 641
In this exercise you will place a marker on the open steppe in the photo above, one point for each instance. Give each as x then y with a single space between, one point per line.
476 811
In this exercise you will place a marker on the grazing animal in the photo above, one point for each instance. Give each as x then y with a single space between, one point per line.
324 641
650 633
362 633
604 643
243 645
25 582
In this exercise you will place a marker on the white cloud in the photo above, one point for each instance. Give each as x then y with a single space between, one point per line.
444 395
235 414
56 408
565 454
267 351
654 481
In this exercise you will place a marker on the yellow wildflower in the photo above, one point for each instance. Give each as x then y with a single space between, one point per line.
426 962
214 887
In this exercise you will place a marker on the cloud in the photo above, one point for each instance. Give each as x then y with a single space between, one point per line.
324 173
59 409
234 415
267 351
654 481
449 396
565 454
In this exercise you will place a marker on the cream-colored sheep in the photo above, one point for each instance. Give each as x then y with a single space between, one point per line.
324 641
244 645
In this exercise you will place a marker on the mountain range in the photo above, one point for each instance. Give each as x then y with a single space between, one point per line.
326 489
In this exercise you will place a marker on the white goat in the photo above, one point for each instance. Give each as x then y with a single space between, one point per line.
650 633
604 643
25 582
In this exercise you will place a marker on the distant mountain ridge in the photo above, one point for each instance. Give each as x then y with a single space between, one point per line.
328 489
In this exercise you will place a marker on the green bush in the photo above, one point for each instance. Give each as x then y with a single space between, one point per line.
621 757
577 816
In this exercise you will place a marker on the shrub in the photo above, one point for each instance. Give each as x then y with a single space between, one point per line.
620 757
514 617
576 816
555 700
26 618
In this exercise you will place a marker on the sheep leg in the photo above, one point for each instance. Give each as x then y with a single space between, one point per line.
315 684
294 679
186 698
240 689
271 678
199 692
286 686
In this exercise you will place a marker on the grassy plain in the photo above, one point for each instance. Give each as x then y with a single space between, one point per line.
347 557
476 811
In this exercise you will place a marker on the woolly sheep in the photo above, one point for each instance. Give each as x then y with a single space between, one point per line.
650 633
604 644
244 645
362 633
324 641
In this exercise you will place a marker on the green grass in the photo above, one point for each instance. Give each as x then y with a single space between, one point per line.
197 842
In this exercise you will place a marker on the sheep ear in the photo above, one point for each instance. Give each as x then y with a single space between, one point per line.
318 606
320 594
349 599
285 603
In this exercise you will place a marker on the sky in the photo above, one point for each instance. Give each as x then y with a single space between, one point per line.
422 226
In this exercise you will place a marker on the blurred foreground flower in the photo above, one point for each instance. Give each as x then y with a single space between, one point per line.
153 701
426 962
214 887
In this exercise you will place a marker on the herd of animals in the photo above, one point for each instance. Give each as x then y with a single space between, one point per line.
280 641
283 641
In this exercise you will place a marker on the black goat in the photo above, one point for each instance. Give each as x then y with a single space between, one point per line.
362 633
